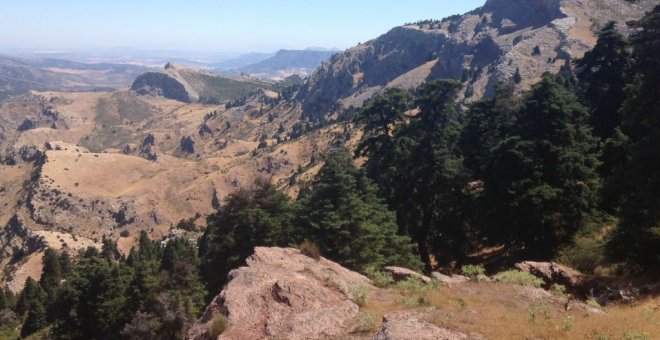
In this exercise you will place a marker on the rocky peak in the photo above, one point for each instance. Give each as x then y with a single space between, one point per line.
481 48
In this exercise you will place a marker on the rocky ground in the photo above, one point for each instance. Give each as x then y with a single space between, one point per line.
89 165
283 294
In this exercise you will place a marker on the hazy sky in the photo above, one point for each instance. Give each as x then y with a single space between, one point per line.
207 25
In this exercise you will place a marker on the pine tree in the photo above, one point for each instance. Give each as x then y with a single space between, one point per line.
541 182
36 319
638 180
31 294
52 272
603 72
343 214
255 216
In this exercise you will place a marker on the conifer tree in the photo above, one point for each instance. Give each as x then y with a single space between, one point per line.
638 180
541 182
343 214
254 216
603 72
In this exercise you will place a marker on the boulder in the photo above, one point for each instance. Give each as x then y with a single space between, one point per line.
403 274
449 280
554 273
282 294
409 325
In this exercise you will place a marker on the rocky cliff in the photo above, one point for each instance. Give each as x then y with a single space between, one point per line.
488 45
189 85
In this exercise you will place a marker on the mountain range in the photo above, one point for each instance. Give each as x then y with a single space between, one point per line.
78 166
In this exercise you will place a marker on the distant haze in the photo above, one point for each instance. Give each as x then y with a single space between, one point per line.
207 25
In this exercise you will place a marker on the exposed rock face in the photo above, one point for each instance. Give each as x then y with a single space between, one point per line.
163 85
189 85
551 273
449 280
409 325
481 48
402 274
282 294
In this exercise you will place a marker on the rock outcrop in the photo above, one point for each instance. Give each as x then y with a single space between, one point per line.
409 325
554 273
282 294
189 85
403 274
481 48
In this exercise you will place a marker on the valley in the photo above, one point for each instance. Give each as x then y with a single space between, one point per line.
458 147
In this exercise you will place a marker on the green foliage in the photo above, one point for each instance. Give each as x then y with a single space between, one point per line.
540 183
366 322
638 180
256 216
36 320
603 73
360 295
343 214
520 278
379 278
584 254
633 334
419 168
539 309
559 290
593 303
416 292
473 270
218 324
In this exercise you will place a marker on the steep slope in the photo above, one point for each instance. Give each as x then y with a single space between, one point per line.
189 85
488 45
285 63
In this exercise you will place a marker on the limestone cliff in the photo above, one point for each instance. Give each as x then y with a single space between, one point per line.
481 48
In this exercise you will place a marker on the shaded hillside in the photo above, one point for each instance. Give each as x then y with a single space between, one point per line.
505 40
189 85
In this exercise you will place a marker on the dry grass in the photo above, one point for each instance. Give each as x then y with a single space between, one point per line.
500 311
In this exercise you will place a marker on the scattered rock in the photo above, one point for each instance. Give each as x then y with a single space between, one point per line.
553 273
408 325
446 279
403 274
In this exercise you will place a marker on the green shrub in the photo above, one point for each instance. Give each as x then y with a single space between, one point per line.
540 309
310 249
366 322
520 278
593 303
473 270
559 290
379 278
585 254
218 324
416 292
633 334
360 295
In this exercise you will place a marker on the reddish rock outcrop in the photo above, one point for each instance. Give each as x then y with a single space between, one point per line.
282 294
552 273
402 274
409 325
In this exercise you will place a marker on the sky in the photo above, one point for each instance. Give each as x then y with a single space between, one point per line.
208 25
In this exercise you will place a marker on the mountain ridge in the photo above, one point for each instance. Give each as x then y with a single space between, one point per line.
481 48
